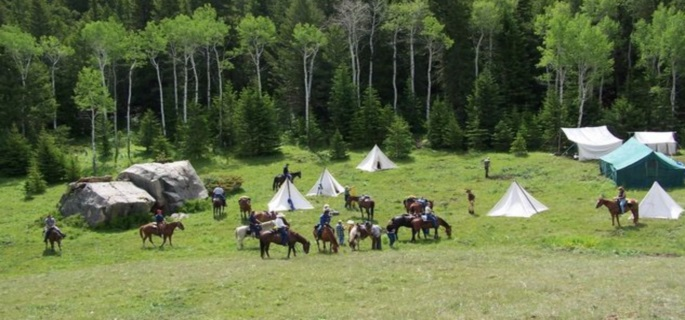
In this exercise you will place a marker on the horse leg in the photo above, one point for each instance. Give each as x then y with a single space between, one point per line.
163 242
435 236
59 244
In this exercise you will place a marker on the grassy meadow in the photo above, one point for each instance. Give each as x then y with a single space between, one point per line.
565 263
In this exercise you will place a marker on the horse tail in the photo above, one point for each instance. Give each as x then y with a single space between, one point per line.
140 230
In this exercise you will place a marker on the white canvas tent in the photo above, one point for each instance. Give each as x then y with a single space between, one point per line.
592 142
658 204
376 160
517 203
663 142
326 185
288 198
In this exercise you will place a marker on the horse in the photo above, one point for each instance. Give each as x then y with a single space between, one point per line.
280 178
403 220
327 235
218 206
358 232
367 204
415 207
267 237
148 230
241 232
418 224
245 204
264 216
54 236
615 209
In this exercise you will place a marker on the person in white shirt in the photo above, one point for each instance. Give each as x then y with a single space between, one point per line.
219 192
282 227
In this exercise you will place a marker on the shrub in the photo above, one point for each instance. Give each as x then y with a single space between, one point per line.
35 184
132 220
75 221
231 184
338 147
195 205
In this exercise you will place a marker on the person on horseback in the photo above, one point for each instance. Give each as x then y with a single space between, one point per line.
255 227
286 173
430 216
621 199
51 224
159 220
219 192
423 202
282 228
324 220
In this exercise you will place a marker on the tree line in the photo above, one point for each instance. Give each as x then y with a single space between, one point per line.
188 78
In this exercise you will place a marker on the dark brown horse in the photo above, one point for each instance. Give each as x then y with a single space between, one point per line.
327 235
413 206
218 207
418 224
279 179
615 209
267 237
54 236
245 207
150 229
367 204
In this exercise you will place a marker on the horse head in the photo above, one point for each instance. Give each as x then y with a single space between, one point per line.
305 246
180 225
600 202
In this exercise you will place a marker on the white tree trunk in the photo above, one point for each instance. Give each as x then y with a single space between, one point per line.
476 60
430 82
209 77
185 90
411 61
394 69
196 79
128 110
161 94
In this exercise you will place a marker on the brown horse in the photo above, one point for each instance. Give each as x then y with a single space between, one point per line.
615 209
279 179
150 229
327 235
367 204
413 206
267 237
245 207
264 216
54 236
218 206
418 224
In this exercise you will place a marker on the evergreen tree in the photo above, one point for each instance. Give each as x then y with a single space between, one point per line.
256 126
149 130
398 143
518 147
371 121
35 184
72 168
475 136
410 108
625 117
50 159
503 135
16 152
338 146
440 126
553 117
195 134
342 102
162 149
485 104
455 135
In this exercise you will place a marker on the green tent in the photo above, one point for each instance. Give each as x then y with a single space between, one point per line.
635 165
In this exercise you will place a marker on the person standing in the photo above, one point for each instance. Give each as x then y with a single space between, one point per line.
486 166
391 229
375 237
340 231
472 201
348 205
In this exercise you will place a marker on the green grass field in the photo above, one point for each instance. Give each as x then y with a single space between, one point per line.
565 263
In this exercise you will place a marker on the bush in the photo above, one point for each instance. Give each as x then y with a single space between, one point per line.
132 220
195 205
35 184
231 184
338 147
16 152
75 221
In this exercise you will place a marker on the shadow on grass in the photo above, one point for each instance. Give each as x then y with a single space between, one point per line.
51 253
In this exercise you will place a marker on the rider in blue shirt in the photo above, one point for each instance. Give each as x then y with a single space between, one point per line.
324 220
255 226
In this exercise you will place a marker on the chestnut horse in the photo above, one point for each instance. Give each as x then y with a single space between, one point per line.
264 216
279 179
367 205
267 237
615 210
418 224
150 229
327 235
415 207
245 207
54 236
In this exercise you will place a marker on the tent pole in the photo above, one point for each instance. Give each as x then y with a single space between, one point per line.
531 202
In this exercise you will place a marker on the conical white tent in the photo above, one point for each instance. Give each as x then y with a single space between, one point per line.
376 160
517 202
326 185
658 204
288 198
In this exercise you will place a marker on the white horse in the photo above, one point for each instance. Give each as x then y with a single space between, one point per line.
241 231
358 232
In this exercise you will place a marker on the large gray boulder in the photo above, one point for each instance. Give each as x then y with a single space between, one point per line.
171 184
98 202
